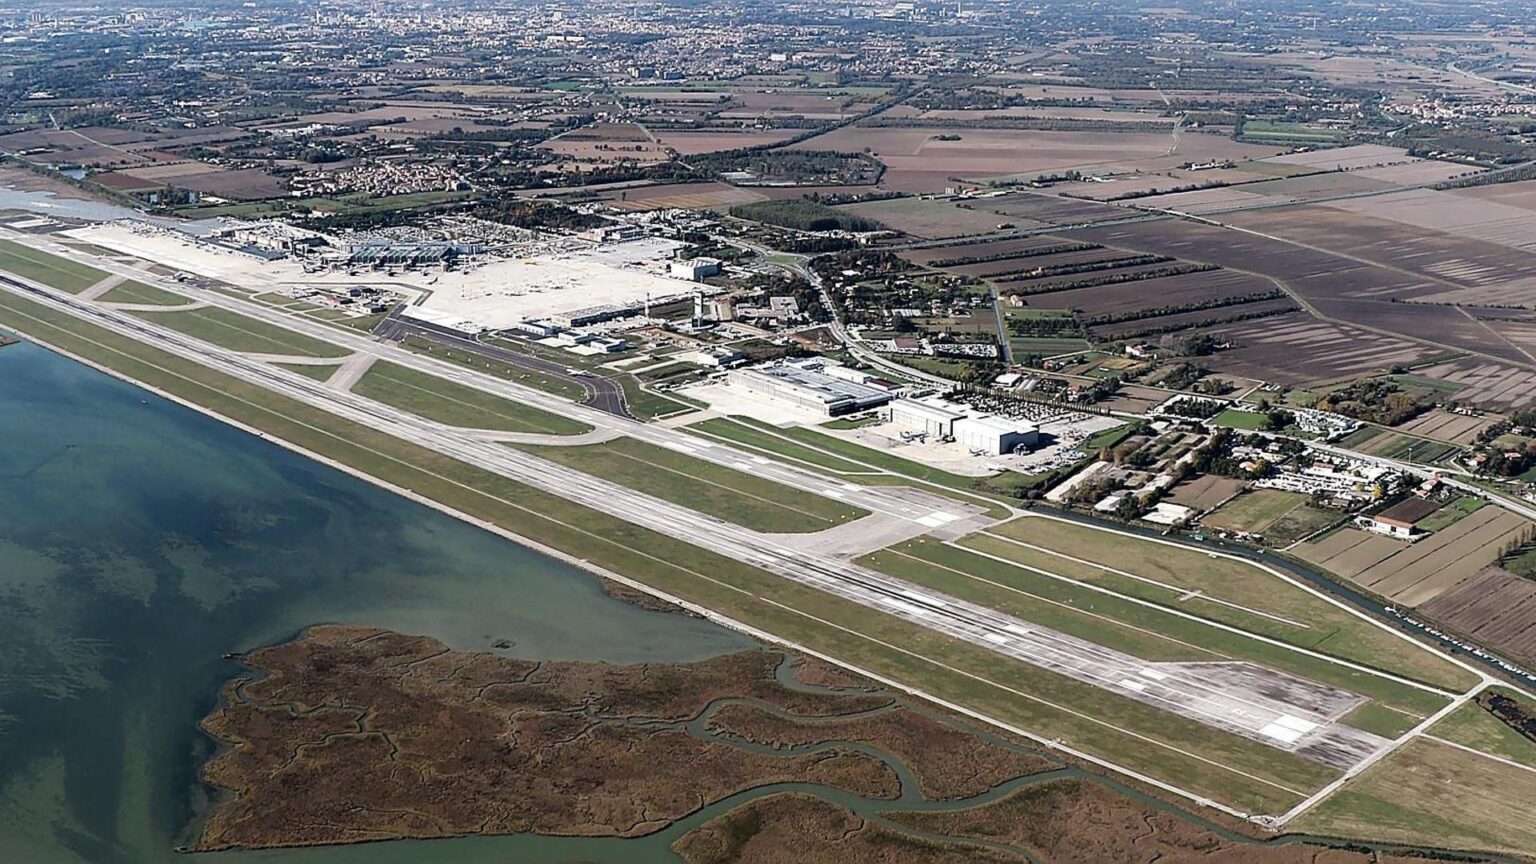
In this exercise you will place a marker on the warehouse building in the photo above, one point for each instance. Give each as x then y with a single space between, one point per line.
695 269
941 420
993 435
805 384
930 417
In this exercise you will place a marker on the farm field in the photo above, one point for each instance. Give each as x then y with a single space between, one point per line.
50 270
456 405
1296 349
1491 384
1205 491
237 332
1493 606
1418 257
926 218
919 162
1374 441
1350 289
1447 426
1415 573
1433 794
1253 512
735 496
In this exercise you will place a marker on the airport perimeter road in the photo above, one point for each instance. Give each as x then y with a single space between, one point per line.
1276 709
602 393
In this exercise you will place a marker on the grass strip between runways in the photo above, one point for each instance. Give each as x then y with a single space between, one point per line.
1206 761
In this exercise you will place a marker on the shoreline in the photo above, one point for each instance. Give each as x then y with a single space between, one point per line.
1046 743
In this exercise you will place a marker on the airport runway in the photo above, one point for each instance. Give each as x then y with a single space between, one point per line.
1273 708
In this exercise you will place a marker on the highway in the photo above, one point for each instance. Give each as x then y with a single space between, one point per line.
1270 707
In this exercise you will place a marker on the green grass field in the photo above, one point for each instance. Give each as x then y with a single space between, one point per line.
457 405
516 374
735 496
647 404
1246 420
1148 630
1329 629
770 442
131 291
1224 767
1281 517
811 448
1253 511
1475 727
240 333
1430 794
1384 721
321 372
1451 513
50 270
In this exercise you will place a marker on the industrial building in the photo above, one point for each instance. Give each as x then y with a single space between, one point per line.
930 417
695 269
994 435
806 384
941 420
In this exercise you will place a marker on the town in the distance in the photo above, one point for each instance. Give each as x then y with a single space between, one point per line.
790 432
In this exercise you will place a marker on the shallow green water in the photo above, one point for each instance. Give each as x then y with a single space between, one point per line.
140 542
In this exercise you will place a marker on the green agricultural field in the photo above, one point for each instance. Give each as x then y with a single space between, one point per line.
1254 511
1282 517
131 291
1246 420
237 332
454 404
1208 762
50 270
1451 513
1021 345
1325 626
1152 632
735 496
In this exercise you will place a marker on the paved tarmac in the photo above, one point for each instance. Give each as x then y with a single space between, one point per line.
1274 708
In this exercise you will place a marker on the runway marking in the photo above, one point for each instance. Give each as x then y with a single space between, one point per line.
1046 702
414 469
1115 621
